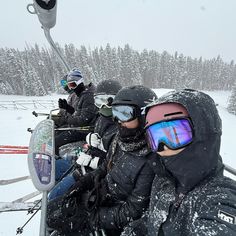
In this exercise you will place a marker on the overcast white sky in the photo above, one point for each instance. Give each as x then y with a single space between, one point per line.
192 27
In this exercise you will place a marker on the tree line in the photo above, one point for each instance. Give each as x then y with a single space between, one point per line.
37 71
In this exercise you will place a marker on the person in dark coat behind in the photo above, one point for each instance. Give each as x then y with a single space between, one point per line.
105 127
190 195
83 113
125 177
98 141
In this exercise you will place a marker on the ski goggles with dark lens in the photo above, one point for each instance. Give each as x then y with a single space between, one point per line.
73 84
103 100
175 134
124 113
63 82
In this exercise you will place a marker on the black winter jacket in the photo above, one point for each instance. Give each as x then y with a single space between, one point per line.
85 111
209 209
127 178
61 118
106 128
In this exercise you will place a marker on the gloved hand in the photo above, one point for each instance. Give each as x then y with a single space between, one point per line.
81 185
75 190
93 139
96 152
94 163
62 103
83 159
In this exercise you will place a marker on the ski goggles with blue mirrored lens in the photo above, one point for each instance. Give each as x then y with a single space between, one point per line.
175 134
63 82
103 100
124 113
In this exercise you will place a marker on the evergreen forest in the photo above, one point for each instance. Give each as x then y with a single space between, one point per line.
37 71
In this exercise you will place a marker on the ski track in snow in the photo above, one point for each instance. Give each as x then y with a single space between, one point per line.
13 126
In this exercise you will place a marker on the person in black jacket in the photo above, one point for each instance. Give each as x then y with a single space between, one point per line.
105 127
83 113
123 182
98 141
190 195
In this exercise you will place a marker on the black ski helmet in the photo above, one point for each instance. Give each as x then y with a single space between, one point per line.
136 95
108 87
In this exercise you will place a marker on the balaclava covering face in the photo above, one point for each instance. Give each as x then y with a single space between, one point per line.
105 111
79 89
135 134
127 135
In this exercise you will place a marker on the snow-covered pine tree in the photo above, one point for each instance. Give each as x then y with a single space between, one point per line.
124 64
165 76
127 65
232 101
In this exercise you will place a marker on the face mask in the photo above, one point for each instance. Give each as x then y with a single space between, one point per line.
105 111
194 163
128 135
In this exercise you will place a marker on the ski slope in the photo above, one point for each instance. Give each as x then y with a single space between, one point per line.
13 126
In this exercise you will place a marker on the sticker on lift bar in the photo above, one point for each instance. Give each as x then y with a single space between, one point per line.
43 167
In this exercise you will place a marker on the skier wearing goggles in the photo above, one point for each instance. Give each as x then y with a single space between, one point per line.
125 176
82 112
190 195
72 99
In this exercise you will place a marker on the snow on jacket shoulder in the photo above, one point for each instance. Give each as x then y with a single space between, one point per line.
128 184
208 210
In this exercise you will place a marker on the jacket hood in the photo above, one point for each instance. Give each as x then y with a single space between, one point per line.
201 108
201 158
90 88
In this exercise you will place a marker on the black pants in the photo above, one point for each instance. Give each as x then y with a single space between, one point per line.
68 136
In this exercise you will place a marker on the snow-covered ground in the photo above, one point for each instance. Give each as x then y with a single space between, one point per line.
13 126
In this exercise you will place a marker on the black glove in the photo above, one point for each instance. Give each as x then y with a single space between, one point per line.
84 183
62 103
96 152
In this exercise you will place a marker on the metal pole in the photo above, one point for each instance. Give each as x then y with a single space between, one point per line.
231 170
42 231
47 18
51 42
50 115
